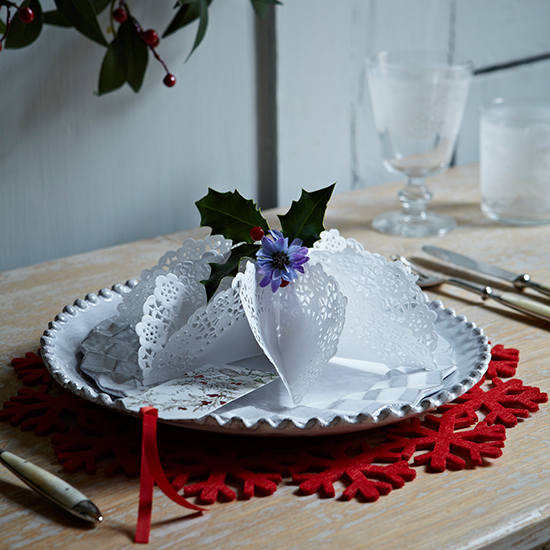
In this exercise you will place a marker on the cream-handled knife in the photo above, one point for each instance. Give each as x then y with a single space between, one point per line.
519 281
51 487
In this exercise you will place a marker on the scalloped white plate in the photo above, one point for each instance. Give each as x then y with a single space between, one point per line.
266 413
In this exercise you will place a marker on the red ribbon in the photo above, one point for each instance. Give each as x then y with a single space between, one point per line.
151 472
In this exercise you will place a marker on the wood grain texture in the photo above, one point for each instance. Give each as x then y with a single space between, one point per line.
504 505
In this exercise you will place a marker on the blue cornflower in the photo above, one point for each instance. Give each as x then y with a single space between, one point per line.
279 262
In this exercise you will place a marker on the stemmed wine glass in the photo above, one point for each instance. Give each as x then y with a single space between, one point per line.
418 100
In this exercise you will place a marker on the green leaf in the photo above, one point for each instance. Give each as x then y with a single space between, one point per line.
56 18
136 54
100 5
231 215
230 268
81 15
114 68
261 7
305 218
2 27
203 23
189 12
21 34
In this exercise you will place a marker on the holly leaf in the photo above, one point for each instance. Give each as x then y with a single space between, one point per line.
22 34
304 220
137 54
229 268
114 68
231 215
188 12
82 16
261 7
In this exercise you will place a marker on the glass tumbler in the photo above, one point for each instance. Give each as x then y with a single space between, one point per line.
515 161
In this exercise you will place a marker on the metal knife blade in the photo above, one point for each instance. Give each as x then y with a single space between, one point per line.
519 281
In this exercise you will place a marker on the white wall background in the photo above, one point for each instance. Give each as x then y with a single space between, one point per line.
326 126
80 172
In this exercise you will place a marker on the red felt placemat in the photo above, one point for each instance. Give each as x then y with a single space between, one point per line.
218 467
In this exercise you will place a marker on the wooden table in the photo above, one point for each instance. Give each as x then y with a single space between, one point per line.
504 505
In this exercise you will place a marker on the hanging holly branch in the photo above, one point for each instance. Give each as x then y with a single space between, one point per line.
127 53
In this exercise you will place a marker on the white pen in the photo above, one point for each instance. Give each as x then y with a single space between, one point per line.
52 487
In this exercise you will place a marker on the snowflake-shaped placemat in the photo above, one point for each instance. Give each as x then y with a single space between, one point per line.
219 467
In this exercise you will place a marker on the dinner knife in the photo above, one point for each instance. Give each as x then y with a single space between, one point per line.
519 281
51 487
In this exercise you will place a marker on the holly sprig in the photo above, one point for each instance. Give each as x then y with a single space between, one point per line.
231 215
127 54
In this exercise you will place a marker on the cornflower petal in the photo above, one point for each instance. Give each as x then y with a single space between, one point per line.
270 247
265 281
277 261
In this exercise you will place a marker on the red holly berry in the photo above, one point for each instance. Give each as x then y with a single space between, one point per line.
256 233
120 15
284 283
151 38
169 80
26 15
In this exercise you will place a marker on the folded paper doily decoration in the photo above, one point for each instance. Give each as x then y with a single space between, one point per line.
350 309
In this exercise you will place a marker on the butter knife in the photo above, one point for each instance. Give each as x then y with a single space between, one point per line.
51 487
519 281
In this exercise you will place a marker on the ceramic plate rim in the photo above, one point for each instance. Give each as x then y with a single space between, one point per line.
62 364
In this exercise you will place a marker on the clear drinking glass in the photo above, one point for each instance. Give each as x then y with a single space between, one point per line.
418 100
515 161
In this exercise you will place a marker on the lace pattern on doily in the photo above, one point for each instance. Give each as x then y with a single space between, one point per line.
213 249
298 326
349 302
173 301
216 332
387 318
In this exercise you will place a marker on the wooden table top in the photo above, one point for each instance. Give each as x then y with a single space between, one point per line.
503 505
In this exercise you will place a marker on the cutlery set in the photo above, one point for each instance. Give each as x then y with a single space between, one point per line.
522 304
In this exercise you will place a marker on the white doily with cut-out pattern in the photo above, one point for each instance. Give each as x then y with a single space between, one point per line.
213 249
217 332
387 318
298 326
174 300
349 306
